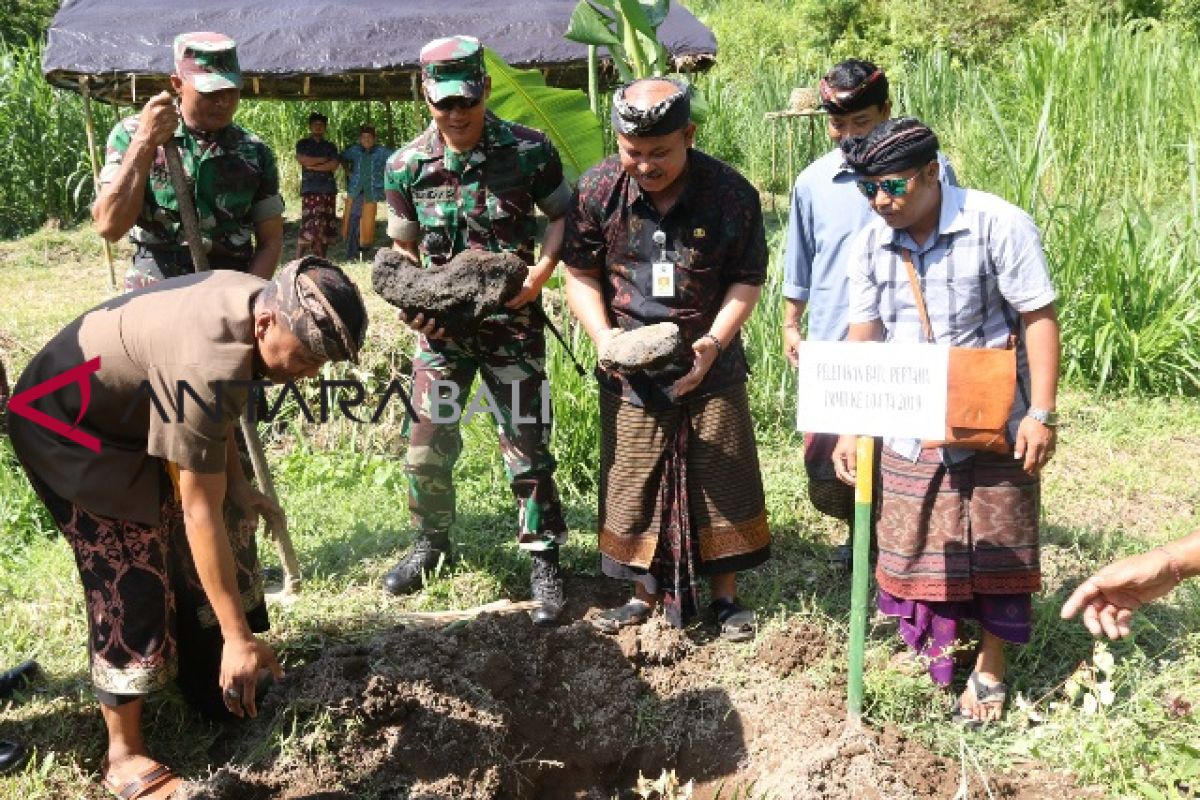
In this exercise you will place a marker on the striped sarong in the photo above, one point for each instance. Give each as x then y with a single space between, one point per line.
950 532
681 494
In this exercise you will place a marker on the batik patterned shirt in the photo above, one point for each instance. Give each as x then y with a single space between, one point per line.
714 236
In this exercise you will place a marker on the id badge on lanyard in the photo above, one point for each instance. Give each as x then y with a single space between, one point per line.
662 271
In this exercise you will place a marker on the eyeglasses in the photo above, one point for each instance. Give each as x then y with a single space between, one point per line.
452 103
892 187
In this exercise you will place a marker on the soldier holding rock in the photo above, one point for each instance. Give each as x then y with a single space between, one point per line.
472 181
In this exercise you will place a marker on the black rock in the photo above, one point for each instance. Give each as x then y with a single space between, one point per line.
459 294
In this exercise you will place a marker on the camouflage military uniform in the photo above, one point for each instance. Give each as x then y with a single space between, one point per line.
484 199
236 182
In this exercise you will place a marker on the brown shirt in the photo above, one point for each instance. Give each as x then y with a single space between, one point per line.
197 329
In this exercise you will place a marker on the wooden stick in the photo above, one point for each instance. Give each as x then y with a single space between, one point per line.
860 577
262 472
90 126
434 619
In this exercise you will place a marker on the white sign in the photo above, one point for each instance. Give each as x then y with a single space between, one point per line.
873 389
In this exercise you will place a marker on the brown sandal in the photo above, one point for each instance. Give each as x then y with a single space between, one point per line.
141 785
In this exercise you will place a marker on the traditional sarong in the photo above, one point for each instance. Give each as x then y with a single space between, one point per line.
148 617
825 490
957 542
681 495
318 219
358 225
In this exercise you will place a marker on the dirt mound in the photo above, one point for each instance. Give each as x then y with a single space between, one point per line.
496 708
459 295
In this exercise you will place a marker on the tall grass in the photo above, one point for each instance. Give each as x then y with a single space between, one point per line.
46 173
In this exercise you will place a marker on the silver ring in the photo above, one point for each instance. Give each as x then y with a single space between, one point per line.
232 693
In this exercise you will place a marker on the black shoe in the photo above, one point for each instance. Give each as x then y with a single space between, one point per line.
12 756
426 553
546 587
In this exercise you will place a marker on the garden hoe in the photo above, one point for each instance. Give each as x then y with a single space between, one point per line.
277 528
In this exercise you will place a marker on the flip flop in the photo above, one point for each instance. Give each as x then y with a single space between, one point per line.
737 624
985 694
635 612
154 778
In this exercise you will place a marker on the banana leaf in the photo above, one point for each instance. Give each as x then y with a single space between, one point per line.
521 95
590 26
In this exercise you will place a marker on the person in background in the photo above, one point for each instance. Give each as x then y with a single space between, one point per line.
318 158
366 164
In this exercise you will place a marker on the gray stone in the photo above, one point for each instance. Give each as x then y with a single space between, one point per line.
459 294
648 347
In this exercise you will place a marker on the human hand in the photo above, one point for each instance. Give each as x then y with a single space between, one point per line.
706 351
1035 444
1109 598
241 660
158 121
845 459
426 327
254 504
791 345
529 292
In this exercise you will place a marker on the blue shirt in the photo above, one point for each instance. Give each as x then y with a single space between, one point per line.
367 168
980 270
827 212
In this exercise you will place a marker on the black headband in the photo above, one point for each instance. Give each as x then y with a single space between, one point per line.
841 101
666 116
894 146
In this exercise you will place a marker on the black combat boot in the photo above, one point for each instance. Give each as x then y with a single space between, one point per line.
546 587
427 551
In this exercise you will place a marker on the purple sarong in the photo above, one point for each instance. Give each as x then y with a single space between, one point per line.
931 628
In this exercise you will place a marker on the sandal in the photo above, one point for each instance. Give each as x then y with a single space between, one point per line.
635 612
984 694
737 624
154 778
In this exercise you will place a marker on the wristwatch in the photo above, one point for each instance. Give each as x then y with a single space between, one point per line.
1047 418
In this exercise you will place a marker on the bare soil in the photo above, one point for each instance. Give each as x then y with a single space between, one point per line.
495 708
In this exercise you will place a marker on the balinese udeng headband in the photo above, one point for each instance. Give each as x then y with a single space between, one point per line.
666 116
894 146
838 100
297 292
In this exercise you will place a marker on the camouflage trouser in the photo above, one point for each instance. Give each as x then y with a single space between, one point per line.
510 354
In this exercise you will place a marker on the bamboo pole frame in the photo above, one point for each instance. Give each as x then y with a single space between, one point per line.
89 125
864 491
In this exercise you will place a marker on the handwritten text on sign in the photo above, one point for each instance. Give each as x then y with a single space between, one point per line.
873 389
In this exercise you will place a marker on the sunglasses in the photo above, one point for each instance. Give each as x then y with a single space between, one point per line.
892 187
452 103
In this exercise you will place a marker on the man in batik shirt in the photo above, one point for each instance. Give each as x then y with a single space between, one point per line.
661 232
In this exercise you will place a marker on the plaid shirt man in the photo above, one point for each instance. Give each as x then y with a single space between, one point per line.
981 269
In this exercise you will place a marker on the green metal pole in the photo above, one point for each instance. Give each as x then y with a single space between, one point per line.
860 580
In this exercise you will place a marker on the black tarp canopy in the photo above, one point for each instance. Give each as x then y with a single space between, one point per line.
300 49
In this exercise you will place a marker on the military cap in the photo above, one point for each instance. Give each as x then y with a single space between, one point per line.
208 61
453 67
